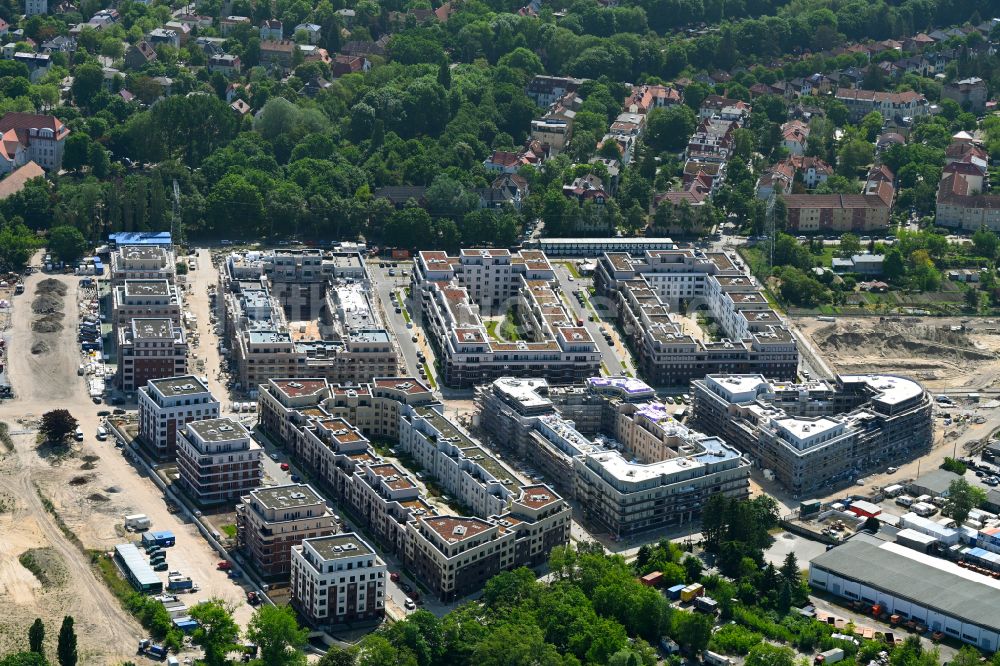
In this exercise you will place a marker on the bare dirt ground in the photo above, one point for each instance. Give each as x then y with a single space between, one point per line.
927 350
92 488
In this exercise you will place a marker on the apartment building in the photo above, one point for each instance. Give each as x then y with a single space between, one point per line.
816 434
637 469
218 461
337 579
303 313
141 262
458 555
455 294
374 407
841 212
648 291
149 348
145 298
524 523
167 405
963 198
271 521
892 106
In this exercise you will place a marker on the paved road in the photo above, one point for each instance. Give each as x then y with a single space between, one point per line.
384 286
613 354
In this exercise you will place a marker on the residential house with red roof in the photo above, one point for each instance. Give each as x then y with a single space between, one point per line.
34 137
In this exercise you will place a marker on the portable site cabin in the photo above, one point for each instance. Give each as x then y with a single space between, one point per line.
163 538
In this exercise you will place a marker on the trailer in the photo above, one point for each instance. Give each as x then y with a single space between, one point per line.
706 605
652 579
162 538
691 591
675 592
137 521
179 583
716 659
830 657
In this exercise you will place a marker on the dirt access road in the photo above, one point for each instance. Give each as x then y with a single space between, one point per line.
42 382
92 488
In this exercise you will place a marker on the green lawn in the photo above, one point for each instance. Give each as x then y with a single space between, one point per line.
229 530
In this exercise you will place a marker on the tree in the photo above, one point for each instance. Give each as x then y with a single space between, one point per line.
66 648
853 155
850 245
67 243
986 243
336 656
76 151
963 498
789 570
57 425
87 81
765 654
276 632
669 128
692 631
893 266
217 633
36 636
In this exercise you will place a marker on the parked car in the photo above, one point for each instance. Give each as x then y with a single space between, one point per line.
224 565
409 605
394 576
296 478
405 587
274 456
285 467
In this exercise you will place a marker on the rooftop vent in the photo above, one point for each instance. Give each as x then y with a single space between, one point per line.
459 530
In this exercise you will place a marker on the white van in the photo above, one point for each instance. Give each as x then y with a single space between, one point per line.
102 433
904 500
78 435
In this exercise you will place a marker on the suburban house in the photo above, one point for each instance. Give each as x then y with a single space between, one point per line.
277 53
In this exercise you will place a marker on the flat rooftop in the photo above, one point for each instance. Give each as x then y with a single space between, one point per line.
152 328
287 496
184 385
294 388
338 546
142 252
453 529
889 388
219 430
932 582
147 288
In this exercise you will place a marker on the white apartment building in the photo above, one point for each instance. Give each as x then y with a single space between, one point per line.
145 298
35 7
218 461
816 434
167 405
456 293
638 468
338 579
141 262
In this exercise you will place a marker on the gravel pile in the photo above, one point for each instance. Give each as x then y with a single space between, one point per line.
51 286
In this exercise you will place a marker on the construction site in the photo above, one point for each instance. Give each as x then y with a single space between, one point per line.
942 354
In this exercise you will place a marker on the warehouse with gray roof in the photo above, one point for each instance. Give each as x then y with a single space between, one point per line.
936 593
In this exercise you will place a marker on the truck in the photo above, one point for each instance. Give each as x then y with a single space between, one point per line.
715 659
829 657
137 521
895 490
